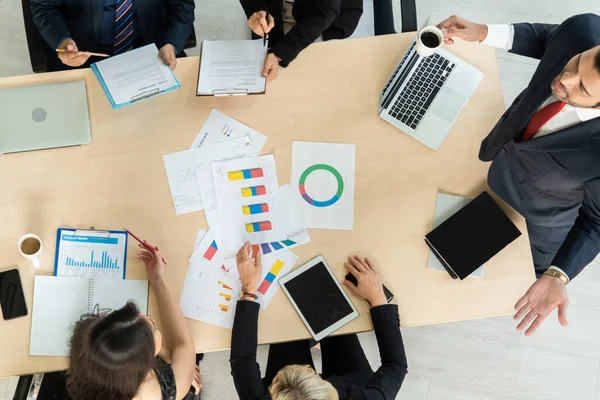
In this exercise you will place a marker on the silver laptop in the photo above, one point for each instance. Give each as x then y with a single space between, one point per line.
43 117
424 95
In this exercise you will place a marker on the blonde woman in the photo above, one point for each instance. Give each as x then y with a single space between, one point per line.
290 373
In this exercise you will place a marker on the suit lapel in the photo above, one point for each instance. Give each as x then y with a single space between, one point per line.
576 137
97 10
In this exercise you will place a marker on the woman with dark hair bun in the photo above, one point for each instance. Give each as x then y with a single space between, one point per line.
119 355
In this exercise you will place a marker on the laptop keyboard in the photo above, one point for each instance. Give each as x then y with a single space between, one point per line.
421 89
398 68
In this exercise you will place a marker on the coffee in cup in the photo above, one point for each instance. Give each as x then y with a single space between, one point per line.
429 41
30 247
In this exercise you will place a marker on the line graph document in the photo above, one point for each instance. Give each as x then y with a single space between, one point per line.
230 67
181 170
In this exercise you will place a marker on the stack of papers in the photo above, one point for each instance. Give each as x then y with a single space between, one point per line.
239 192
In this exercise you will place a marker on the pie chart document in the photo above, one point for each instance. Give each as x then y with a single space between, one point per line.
323 185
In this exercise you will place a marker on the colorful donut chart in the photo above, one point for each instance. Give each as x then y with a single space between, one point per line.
323 167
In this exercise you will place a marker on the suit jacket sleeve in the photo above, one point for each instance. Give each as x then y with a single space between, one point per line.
50 21
180 19
582 243
531 40
306 30
244 339
252 6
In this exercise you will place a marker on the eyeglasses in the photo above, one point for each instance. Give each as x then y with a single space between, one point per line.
96 313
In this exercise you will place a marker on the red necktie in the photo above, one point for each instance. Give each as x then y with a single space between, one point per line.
541 117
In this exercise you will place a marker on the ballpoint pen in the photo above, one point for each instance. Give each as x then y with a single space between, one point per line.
87 53
146 245
266 35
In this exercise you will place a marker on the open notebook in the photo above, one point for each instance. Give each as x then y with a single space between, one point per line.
60 301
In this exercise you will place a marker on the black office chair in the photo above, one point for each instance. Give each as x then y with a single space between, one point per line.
383 14
40 51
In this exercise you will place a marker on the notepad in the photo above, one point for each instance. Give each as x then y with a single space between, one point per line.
133 76
60 301
471 236
231 67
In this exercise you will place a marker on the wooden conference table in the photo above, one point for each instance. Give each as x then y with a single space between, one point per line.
329 94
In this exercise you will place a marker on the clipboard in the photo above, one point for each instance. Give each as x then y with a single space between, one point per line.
91 253
223 92
142 96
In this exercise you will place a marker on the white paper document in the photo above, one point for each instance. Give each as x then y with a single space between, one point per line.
231 67
446 205
220 127
244 189
134 75
209 298
323 185
181 170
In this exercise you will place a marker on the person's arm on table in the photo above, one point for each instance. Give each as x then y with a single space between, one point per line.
174 326
180 20
580 247
244 336
386 323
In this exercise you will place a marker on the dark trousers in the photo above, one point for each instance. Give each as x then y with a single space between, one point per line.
341 355
545 242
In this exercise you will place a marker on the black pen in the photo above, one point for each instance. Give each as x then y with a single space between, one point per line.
266 35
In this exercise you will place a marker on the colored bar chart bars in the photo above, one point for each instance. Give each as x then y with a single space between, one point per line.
274 246
271 275
226 296
223 307
252 209
225 286
259 226
211 251
254 191
245 174
105 262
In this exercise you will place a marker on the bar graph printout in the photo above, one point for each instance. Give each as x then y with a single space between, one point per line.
89 253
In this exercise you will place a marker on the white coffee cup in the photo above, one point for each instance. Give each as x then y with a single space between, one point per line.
30 247
424 50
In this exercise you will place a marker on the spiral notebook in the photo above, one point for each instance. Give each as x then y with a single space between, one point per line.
60 301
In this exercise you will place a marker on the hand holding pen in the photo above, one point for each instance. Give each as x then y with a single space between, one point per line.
261 24
145 245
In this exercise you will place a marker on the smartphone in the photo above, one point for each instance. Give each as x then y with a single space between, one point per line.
12 298
389 296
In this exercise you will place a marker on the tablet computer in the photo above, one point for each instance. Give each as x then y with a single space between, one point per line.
318 298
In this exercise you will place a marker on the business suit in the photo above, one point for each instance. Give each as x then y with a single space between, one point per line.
352 384
157 21
333 19
553 180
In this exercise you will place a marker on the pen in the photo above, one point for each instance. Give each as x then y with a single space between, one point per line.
83 52
146 245
266 35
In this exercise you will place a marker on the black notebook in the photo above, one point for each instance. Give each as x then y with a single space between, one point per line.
472 236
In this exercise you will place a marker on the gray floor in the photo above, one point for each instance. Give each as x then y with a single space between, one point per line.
484 359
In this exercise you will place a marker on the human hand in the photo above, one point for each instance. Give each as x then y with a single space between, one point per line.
541 299
259 24
459 27
154 261
271 67
71 55
249 271
197 382
168 56
369 282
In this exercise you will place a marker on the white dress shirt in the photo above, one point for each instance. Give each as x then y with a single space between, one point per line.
502 37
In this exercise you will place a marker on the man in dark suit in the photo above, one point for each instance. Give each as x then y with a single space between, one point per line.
545 151
112 27
295 24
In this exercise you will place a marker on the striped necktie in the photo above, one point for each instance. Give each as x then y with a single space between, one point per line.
123 27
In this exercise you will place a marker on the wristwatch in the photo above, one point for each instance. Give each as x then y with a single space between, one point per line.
557 274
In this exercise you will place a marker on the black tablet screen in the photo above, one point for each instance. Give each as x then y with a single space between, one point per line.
318 297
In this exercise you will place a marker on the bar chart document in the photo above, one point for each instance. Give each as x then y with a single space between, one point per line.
231 67
91 253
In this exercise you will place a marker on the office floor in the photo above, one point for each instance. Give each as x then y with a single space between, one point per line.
484 359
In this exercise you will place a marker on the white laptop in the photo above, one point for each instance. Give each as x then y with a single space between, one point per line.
424 95
43 116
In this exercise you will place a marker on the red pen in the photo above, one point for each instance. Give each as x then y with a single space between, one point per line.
146 245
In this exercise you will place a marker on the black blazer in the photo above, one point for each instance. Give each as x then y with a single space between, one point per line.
553 180
158 21
334 19
383 384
